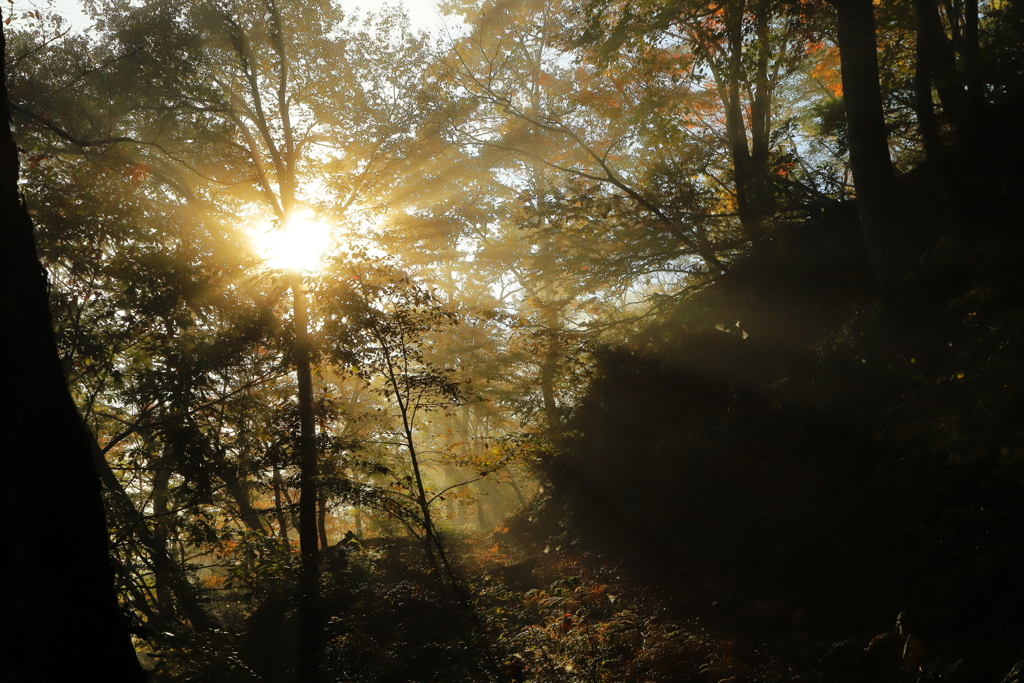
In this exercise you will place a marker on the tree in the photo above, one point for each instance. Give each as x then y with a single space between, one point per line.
751 50
526 98
272 116
47 435
380 324
877 198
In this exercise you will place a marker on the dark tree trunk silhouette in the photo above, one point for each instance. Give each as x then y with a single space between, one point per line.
307 431
749 150
61 617
321 520
971 45
161 513
282 521
931 38
873 176
924 105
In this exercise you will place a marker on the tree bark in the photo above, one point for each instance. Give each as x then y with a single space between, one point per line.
309 582
755 201
873 176
238 487
931 37
282 521
481 516
59 598
924 105
971 46
321 519
307 427
742 163
161 513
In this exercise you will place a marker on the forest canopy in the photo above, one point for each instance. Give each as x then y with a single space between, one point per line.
580 340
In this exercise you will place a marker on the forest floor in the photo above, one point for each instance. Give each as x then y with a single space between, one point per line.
582 615
557 613
562 613
612 620
569 613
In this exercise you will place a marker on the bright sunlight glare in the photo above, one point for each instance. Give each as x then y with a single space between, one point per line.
299 246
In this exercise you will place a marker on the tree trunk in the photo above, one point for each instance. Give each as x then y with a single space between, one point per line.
515 488
549 368
60 599
307 428
736 131
239 490
481 516
161 510
931 38
282 521
971 46
755 200
321 520
761 191
924 105
873 177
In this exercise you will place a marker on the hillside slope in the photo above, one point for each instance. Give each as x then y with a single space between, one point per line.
783 440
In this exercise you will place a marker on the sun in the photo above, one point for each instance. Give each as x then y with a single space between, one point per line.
299 246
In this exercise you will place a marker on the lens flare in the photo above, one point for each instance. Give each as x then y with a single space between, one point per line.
299 246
